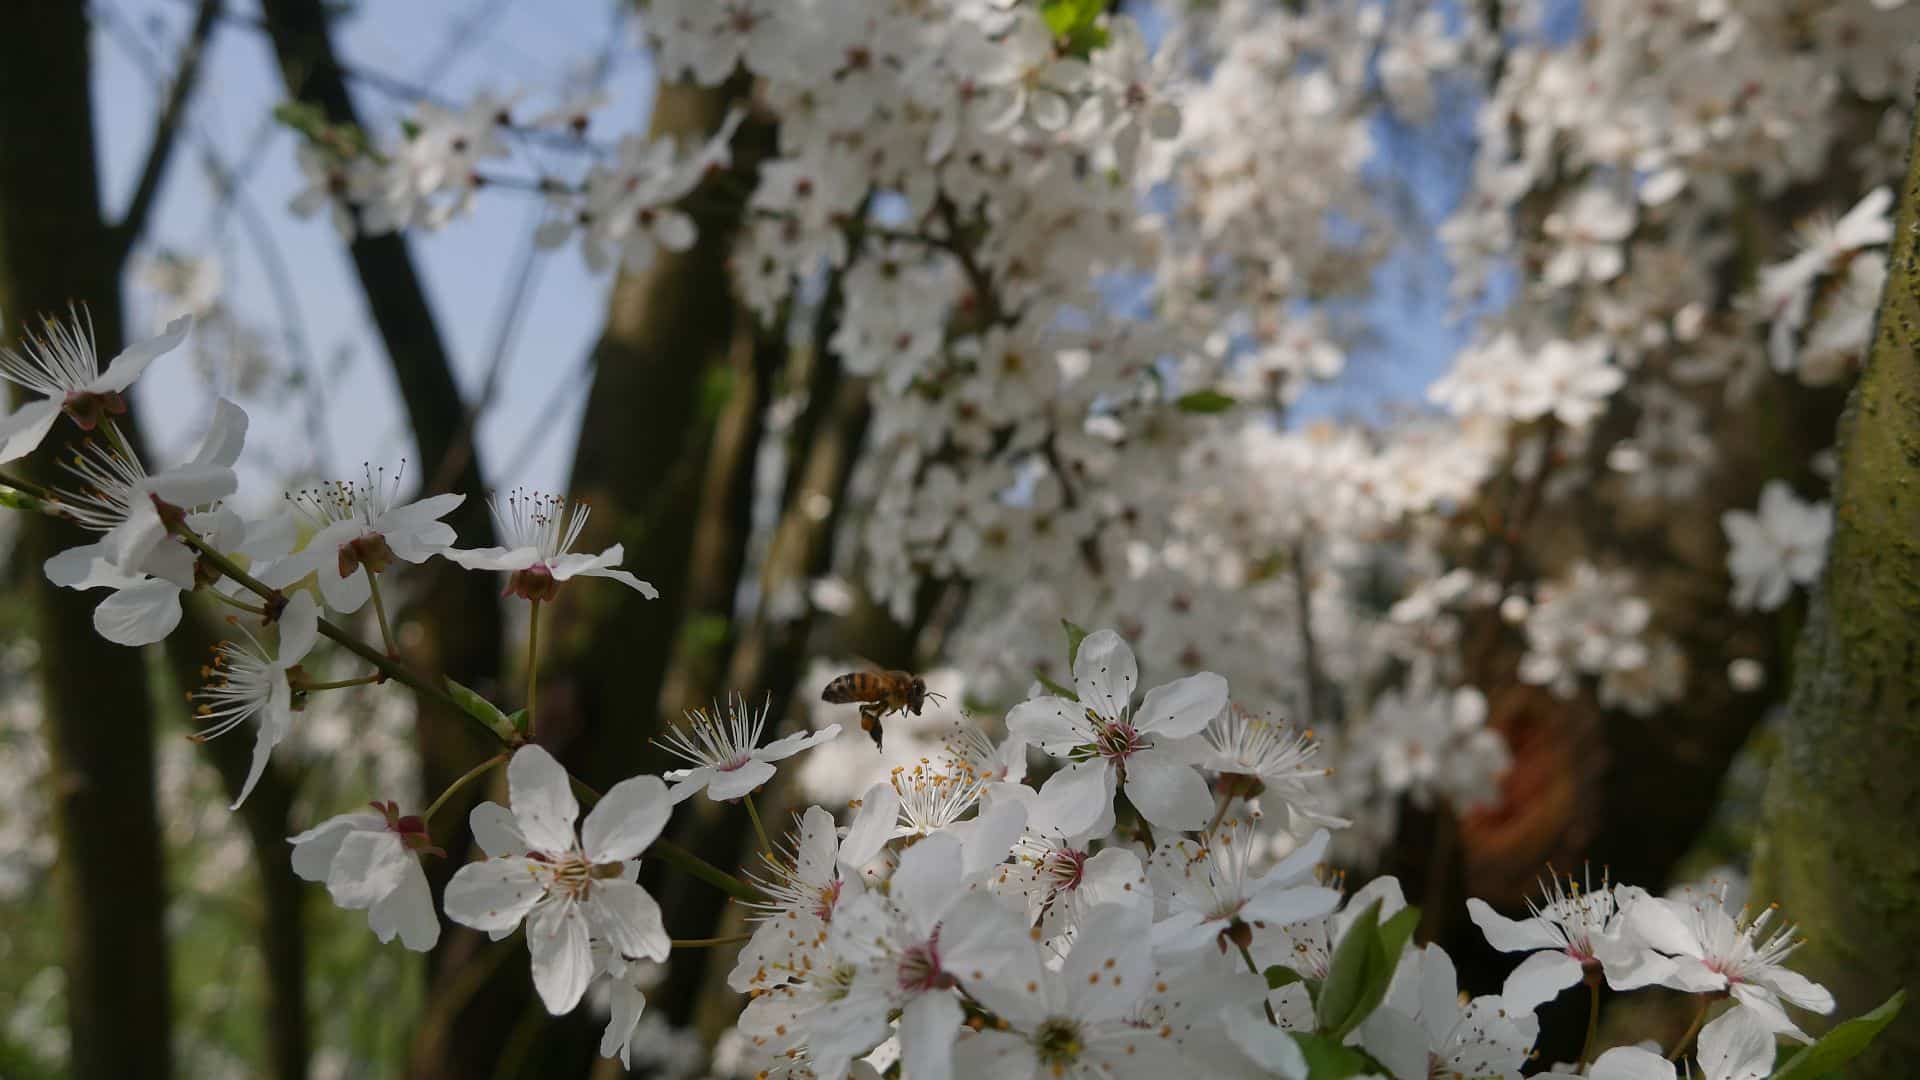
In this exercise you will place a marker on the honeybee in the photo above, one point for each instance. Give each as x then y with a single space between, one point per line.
880 693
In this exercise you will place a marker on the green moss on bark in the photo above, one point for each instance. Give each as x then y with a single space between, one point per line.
1840 851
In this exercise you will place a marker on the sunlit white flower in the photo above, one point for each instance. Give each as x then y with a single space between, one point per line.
371 861
1077 1019
723 746
1426 1028
62 366
1735 1046
1216 894
803 884
540 531
1783 545
1261 758
1574 933
247 681
1715 951
361 525
1110 742
910 949
570 890
117 496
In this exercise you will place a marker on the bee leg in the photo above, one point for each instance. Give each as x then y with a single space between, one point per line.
870 722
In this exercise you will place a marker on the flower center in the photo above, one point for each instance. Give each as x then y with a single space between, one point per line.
829 896
536 582
1117 739
1057 1043
1064 867
919 969
88 409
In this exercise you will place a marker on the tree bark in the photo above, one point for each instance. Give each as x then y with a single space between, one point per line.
1843 805
55 249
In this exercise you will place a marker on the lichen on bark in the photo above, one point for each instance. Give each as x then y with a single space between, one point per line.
1840 848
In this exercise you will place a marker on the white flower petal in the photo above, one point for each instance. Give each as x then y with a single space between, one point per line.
543 802
1051 723
736 783
1169 794
313 850
1510 935
1104 674
139 614
1183 707
496 831
626 820
22 431
562 958
407 911
1539 979
367 868
493 895
928 1026
133 360
872 826
623 915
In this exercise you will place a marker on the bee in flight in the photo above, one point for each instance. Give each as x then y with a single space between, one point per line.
880 693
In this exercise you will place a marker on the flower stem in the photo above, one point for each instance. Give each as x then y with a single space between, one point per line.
231 601
1247 955
31 489
533 662
765 844
1699 1018
340 684
665 850
1219 815
380 611
465 778
710 942
1593 1020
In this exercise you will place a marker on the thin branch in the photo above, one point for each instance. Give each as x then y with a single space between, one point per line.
166 130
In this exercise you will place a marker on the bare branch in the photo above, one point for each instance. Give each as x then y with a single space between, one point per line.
166 131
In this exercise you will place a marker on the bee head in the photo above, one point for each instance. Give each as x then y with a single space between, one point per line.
917 694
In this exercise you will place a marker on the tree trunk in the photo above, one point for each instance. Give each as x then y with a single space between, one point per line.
1838 850
55 249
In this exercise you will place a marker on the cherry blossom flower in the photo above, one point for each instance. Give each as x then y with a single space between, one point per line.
1575 933
1076 1020
1259 758
570 890
1215 893
1109 741
117 496
723 747
371 861
62 366
1735 1046
247 681
361 525
1424 1028
1714 951
540 531
804 885
928 935
1782 545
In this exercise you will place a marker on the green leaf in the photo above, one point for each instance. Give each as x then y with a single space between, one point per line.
1328 1060
1204 401
1383 959
482 710
1842 1044
1280 975
1076 23
1347 975
1055 688
1075 635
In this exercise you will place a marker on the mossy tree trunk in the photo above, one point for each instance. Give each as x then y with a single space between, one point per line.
1840 850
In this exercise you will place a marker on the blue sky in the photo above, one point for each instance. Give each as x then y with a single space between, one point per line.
527 437
468 266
